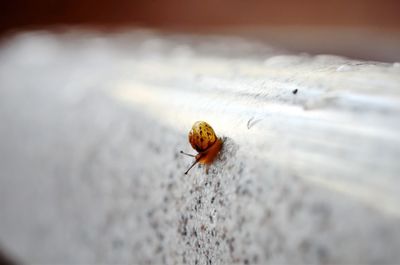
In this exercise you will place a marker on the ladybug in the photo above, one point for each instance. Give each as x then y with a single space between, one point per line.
204 140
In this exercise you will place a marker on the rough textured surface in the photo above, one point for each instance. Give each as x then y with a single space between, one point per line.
90 133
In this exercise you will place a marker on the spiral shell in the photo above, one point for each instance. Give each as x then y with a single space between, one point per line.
202 136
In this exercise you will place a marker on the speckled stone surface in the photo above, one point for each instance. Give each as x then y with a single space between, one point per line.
92 125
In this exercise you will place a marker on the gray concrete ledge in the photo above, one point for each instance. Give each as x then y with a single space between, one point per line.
90 133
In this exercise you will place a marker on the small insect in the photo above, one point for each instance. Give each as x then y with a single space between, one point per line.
204 140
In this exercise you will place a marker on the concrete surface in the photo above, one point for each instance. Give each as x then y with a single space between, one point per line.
92 123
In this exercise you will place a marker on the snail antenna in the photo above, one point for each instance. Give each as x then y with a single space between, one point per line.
194 163
183 153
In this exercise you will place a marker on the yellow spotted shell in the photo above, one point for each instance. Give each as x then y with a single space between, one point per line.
202 136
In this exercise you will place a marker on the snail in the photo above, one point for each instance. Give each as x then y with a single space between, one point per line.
204 140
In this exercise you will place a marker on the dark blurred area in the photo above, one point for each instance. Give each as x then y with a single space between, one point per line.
362 29
200 14
5 259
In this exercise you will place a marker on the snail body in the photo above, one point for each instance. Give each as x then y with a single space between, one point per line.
204 140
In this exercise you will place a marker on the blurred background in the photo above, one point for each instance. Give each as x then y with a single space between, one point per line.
362 29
